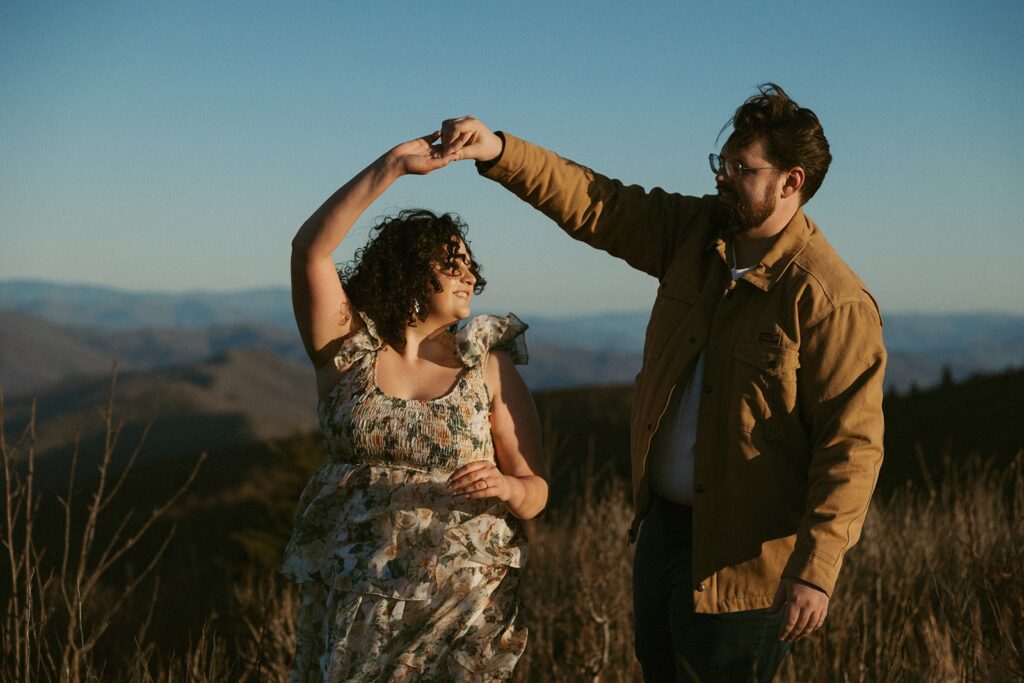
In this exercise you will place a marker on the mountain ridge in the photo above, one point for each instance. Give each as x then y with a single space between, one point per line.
69 304
95 325
234 397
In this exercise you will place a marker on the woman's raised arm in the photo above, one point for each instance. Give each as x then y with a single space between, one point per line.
322 310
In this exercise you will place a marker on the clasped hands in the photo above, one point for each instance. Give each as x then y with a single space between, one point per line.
458 139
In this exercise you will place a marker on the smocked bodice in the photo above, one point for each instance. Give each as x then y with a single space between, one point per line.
362 424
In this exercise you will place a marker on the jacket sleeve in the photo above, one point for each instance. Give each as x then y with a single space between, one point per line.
643 228
842 363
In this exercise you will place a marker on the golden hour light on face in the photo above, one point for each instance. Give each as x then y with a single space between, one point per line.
457 284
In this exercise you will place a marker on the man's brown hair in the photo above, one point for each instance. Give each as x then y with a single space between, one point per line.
792 135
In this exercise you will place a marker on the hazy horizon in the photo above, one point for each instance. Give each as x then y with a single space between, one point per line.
479 304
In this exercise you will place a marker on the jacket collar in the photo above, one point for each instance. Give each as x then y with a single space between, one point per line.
790 242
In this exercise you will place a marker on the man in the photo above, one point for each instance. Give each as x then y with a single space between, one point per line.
756 422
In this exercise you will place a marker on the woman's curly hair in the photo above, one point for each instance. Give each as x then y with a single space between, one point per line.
391 278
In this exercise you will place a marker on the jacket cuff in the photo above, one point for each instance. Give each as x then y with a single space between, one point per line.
503 165
813 570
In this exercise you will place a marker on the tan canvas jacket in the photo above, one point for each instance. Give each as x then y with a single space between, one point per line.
789 437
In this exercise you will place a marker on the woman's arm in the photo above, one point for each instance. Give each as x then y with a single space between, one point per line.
321 307
519 479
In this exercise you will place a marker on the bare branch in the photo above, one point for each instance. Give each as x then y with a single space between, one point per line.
29 524
155 515
126 470
129 589
144 626
67 506
115 537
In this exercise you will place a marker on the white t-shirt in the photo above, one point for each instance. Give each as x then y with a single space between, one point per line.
671 459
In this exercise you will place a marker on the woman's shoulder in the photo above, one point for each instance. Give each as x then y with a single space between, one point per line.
486 333
360 344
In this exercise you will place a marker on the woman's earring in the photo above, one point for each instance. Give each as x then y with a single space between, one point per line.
417 308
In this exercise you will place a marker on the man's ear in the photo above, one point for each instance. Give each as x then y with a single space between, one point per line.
793 183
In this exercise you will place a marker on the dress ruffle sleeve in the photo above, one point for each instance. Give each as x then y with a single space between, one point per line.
486 333
364 342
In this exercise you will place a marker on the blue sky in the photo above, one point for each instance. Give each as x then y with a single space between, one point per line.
173 146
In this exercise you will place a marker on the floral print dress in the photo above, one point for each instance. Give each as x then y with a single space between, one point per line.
399 579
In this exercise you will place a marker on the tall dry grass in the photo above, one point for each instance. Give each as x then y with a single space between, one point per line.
933 592
61 602
935 589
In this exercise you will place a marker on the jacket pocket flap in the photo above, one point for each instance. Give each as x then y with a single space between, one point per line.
675 288
772 360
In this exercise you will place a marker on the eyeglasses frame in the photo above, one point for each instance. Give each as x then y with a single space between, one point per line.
721 165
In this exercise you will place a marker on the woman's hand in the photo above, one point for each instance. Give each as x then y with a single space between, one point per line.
481 479
419 156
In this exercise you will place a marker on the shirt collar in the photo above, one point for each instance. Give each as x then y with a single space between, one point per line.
790 242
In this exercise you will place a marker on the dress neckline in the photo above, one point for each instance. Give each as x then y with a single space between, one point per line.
460 380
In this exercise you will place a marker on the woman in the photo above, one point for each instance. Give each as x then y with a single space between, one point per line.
406 545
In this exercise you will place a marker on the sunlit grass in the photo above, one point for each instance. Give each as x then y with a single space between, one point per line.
933 592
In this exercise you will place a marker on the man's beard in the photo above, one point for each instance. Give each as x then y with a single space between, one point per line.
735 216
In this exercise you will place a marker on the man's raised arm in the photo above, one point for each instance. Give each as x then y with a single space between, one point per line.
643 228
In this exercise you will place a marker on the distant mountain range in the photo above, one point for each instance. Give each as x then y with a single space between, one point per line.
106 308
53 331
233 397
36 353
214 371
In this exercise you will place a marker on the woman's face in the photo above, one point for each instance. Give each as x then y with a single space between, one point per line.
457 281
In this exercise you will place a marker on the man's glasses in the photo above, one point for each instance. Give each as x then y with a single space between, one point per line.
732 168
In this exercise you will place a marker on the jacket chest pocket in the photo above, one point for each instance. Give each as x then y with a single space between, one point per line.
765 386
673 304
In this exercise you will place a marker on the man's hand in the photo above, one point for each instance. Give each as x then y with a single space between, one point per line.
804 608
469 138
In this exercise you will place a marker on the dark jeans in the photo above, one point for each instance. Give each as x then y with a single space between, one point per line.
673 643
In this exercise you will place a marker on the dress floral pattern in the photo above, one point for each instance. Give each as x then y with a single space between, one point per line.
400 580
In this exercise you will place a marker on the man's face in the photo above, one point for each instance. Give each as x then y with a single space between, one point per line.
746 196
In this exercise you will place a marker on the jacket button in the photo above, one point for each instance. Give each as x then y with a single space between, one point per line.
650 426
699 488
707 388
693 340
701 587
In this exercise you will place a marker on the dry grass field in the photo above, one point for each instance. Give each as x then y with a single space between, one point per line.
933 592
